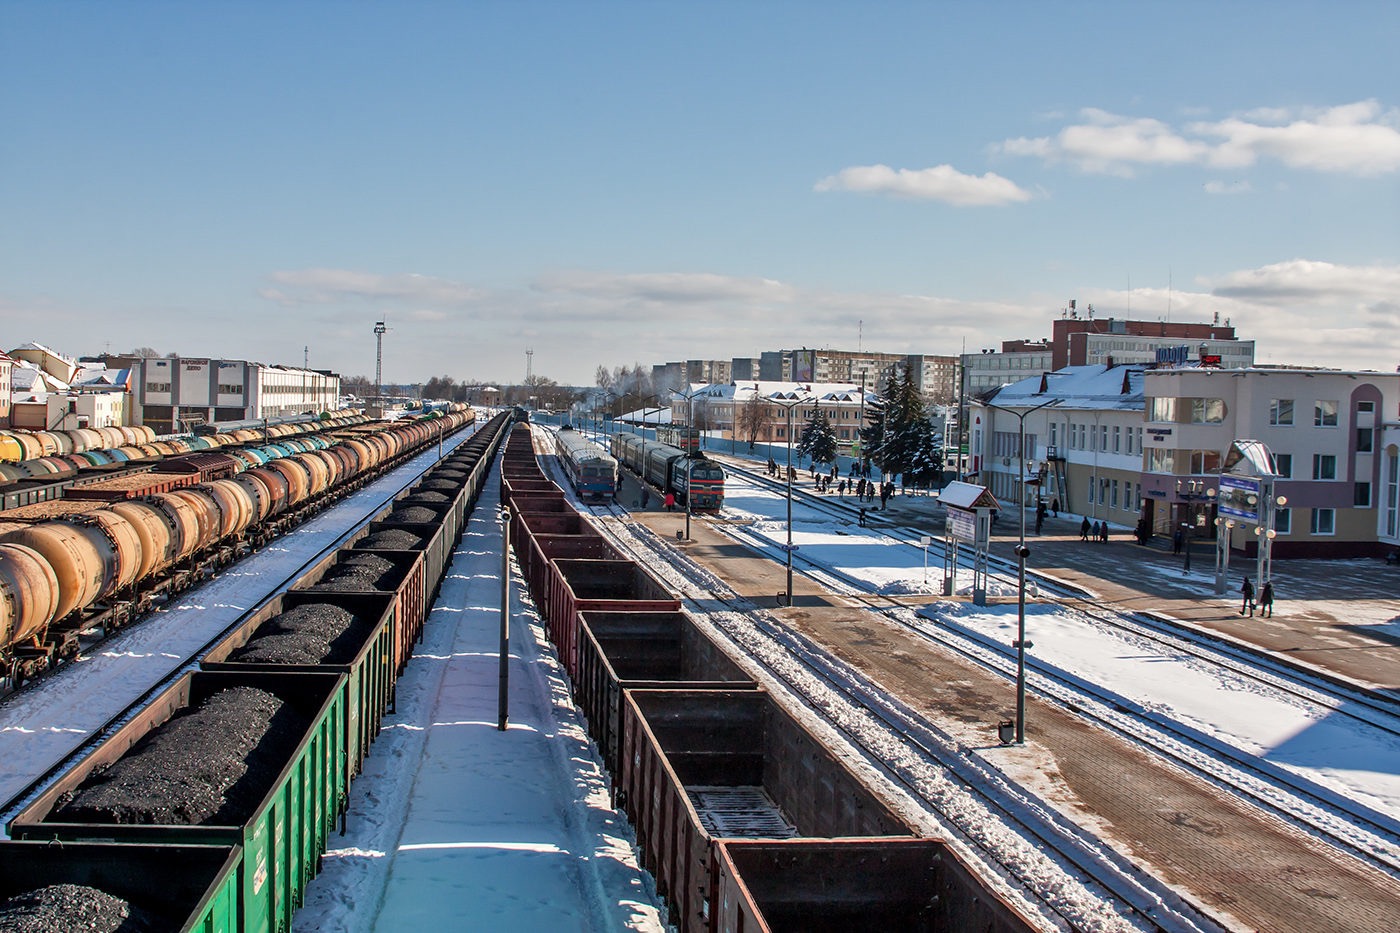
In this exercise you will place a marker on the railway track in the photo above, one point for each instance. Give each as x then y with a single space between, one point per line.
1358 830
1063 872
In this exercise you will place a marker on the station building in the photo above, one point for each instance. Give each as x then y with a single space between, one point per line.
758 410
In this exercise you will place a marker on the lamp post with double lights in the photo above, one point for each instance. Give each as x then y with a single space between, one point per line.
689 397
789 405
1022 552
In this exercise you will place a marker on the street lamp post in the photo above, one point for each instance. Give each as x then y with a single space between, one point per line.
689 459
1022 552
789 406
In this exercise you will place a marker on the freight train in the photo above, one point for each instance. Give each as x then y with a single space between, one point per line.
209 808
592 471
745 818
102 555
670 470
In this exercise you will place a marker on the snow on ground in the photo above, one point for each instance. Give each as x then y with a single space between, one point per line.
1336 751
454 825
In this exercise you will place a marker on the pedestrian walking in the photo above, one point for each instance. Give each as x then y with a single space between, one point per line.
670 501
1103 532
646 496
1176 542
1084 529
1055 506
1247 591
1266 600
1039 521
862 518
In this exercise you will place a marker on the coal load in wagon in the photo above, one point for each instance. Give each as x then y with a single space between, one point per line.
62 908
443 483
359 572
415 515
426 498
392 539
208 765
312 633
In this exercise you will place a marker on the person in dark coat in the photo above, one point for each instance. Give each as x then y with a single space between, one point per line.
1055 506
646 496
862 518
1176 542
1103 532
1266 600
1084 529
1247 591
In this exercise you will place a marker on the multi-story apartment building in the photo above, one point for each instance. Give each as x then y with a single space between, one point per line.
1082 341
1336 467
175 394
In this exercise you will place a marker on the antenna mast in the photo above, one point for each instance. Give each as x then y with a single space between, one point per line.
379 330
529 364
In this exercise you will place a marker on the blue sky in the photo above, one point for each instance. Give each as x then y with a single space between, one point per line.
619 183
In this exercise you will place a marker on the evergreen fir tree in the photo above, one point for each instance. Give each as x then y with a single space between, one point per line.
820 439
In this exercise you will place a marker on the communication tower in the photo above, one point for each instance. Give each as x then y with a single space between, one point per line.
529 364
379 331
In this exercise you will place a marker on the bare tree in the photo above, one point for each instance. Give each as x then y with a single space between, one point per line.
750 419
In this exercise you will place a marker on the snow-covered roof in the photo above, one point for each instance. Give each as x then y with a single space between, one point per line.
26 377
744 390
1093 387
97 377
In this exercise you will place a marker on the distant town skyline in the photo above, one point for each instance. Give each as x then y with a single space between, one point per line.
611 183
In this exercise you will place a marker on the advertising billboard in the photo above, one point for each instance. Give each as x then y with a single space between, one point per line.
1240 497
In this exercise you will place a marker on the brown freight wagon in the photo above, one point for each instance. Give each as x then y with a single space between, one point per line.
698 766
608 585
536 553
840 885
637 650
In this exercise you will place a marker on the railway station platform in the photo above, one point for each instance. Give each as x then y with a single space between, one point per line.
456 825
1248 870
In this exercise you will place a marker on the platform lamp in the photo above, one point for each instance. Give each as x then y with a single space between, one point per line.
689 397
789 547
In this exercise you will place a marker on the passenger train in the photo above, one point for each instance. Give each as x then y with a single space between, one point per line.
670 470
592 471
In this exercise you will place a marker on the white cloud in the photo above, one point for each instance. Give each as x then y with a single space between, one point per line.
940 183
1108 143
325 286
1355 139
662 287
1359 139
1226 187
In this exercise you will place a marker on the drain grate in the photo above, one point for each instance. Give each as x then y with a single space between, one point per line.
746 812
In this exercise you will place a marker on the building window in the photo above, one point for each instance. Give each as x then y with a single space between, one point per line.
1283 464
1117 440
1362 498
1365 408
1092 484
157 387
1325 414
1207 410
1324 466
1392 496
1365 440
1324 522
1162 409
1113 494
1283 521
1281 411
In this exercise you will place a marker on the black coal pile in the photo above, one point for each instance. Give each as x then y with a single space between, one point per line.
426 498
211 764
415 515
392 539
359 572
313 633
443 483
63 908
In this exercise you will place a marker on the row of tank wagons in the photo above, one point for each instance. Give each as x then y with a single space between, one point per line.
52 569
671 470
211 807
743 815
43 454
591 469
